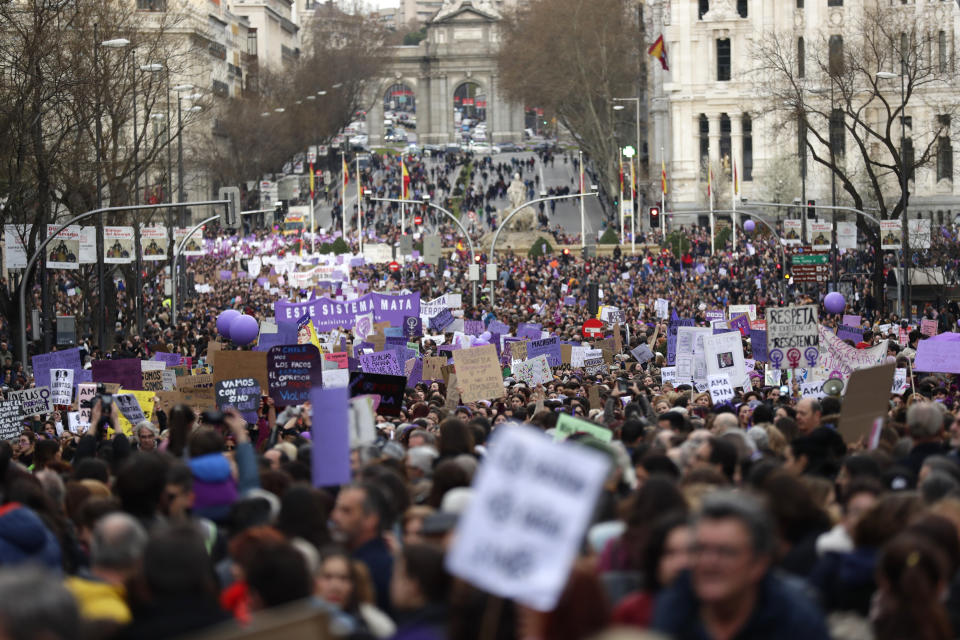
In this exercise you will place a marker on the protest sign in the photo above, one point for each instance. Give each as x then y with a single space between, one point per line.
61 386
11 422
642 353
169 359
851 320
812 389
33 401
672 328
741 323
243 394
242 364
840 359
533 500
152 379
792 340
721 389
758 344
441 321
854 334
384 362
168 379
200 381
478 373
737 309
336 379
496 326
567 426
595 366
86 392
291 370
129 409
550 347
44 362
388 388
900 381
862 403
330 314
724 355
125 372
335 360
533 371
662 308
433 367
668 375
891 235
412 327
937 356
928 327
330 435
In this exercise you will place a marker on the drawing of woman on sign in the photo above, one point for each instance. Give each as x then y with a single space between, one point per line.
153 249
116 251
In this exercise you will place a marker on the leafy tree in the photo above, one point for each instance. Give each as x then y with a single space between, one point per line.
540 247
610 236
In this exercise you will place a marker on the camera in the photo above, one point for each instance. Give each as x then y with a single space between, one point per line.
212 417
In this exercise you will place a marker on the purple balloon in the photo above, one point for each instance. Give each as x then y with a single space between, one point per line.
834 302
749 226
224 320
244 329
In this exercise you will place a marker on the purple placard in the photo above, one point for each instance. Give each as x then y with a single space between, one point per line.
393 332
446 347
758 344
570 301
549 347
714 314
442 320
675 323
529 330
740 323
850 333
416 372
851 321
329 314
384 362
169 359
125 372
226 274
43 362
473 327
496 326
330 435
395 341
412 327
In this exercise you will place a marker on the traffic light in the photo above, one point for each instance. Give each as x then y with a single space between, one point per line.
812 209
654 217
593 299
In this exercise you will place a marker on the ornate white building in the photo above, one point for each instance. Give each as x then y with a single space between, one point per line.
709 108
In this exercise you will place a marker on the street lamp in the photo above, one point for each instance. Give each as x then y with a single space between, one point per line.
618 107
904 195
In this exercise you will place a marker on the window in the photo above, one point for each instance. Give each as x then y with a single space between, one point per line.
726 148
723 59
152 5
252 42
834 3
747 125
704 7
908 158
799 4
942 51
802 145
801 54
742 8
704 139
837 137
944 158
943 121
835 61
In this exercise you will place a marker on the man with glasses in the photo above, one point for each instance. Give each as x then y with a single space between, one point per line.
730 591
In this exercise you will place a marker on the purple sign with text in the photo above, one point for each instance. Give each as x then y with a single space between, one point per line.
330 314
43 362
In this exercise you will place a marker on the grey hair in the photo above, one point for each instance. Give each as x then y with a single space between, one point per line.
422 458
428 438
726 504
146 424
925 419
53 485
118 542
35 604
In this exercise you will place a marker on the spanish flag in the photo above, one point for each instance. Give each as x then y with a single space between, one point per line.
405 190
736 182
346 173
659 51
663 176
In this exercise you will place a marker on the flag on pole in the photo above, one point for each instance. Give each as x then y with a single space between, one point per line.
346 173
633 181
621 176
736 182
659 51
311 180
406 180
663 176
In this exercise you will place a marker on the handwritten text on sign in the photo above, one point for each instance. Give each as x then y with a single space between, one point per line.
792 336
289 371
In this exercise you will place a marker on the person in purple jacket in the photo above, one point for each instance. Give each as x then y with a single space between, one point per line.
217 480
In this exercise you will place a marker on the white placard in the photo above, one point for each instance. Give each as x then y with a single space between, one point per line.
891 234
15 249
724 355
821 236
792 336
129 407
662 308
33 401
791 232
532 501
900 381
668 375
735 310
118 245
846 235
721 389
336 378
61 386
154 242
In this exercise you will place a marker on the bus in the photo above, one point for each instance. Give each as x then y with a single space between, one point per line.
294 225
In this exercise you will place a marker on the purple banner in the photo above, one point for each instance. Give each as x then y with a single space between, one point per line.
549 347
496 326
528 330
43 362
442 320
330 314
330 434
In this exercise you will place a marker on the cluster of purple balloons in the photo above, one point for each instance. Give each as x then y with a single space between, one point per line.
238 327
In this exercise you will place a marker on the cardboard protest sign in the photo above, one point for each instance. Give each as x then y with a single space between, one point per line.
44 362
721 388
33 401
533 371
11 422
533 500
61 386
242 394
201 381
862 403
389 389
126 372
197 399
291 372
737 309
567 426
792 336
478 373
433 367
152 380
566 353
242 364
330 434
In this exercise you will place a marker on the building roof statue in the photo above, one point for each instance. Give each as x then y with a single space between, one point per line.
453 7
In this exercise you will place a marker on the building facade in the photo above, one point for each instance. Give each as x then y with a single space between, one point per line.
711 108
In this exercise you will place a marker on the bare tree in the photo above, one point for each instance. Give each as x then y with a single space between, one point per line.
849 119
573 57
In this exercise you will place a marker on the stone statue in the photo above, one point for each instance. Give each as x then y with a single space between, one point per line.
526 219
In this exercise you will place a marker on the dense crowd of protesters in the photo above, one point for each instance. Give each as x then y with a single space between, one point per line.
747 519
